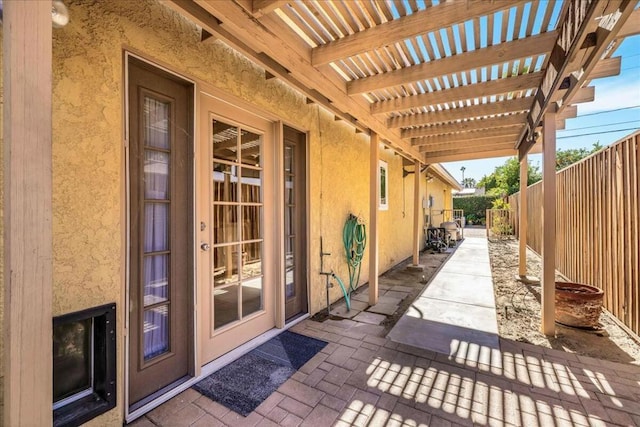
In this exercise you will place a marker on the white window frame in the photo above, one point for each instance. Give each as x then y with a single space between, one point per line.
383 185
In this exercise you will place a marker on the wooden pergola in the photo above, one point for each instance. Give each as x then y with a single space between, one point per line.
439 81
436 81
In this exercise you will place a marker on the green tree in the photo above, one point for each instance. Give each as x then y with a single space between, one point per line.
505 180
570 156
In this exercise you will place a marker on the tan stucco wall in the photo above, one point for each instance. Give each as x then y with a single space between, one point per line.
442 199
88 155
1 228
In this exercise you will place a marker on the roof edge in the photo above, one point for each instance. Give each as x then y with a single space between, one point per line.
444 174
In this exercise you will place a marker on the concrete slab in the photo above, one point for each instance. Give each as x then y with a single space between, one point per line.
382 308
402 289
396 294
370 318
462 288
455 314
470 255
341 311
445 338
388 300
359 305
361 296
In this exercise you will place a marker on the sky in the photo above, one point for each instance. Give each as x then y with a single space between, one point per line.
595 119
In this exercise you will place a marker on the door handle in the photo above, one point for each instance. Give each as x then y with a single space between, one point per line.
205 246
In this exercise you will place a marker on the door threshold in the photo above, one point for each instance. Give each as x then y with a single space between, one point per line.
158 398
296 318
207 370
245 348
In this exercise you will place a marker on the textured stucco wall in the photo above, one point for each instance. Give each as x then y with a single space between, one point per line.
441 193
88 155
1 229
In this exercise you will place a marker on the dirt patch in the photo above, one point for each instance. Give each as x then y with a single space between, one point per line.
518 309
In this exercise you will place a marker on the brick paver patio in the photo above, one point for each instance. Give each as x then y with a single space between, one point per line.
364 379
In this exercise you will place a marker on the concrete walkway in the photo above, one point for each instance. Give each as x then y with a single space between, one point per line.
456 314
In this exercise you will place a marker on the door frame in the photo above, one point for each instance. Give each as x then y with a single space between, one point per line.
193 370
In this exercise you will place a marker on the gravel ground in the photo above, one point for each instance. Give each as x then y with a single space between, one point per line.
518 308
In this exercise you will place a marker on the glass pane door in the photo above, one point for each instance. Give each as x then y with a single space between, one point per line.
237 198
289 219
156 241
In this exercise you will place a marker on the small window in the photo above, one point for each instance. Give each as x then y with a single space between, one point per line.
84 365
383 190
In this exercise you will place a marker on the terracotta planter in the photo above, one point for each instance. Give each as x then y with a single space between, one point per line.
578 304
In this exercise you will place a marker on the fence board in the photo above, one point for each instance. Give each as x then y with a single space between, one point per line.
598 231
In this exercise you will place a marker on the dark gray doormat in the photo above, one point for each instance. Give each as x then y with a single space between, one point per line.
245 383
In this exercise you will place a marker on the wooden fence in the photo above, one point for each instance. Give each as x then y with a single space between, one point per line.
597 227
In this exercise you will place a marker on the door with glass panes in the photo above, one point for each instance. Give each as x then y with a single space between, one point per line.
295 225
161 230
236 227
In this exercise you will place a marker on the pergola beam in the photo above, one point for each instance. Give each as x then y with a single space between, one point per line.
578 23
631 27
432 148
569 112
607 67
460 93
453 138
264 7
465 126
585 94
478 148
485 57
444 158
422 22
453 114
263 42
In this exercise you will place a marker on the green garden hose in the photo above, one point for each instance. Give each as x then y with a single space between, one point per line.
347 298
354 237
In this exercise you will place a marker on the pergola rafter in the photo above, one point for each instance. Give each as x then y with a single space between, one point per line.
454 139
388 70
465 126
486 57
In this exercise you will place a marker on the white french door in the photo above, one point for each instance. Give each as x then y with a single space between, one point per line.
236 211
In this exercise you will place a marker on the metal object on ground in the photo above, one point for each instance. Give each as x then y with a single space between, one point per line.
451 228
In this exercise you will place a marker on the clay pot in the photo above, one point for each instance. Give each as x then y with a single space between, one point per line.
578 305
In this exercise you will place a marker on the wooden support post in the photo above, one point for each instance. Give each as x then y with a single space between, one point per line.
27 214
416 214
548 224
522 217
374 197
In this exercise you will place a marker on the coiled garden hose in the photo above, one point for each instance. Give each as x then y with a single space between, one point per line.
354 237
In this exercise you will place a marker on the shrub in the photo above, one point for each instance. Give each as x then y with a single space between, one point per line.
474 207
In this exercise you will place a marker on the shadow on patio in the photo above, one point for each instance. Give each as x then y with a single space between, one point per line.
443 374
